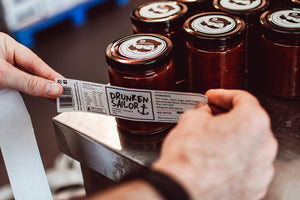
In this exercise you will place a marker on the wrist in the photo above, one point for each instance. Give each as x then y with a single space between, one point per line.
183 177
162 183
131 190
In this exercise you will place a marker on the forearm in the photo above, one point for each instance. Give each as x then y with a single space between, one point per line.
133 190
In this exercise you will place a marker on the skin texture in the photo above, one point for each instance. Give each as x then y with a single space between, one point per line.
24 71
222 153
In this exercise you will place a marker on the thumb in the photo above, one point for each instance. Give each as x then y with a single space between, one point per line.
11 77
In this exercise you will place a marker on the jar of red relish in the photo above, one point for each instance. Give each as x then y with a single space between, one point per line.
249 11
141 61
280 44
215 49
165 18
197 6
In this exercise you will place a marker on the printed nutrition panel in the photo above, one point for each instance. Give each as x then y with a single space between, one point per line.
125 103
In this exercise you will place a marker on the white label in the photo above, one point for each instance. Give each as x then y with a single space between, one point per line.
159 10
142 47
240 4
130 104
286 18
125 103
213 24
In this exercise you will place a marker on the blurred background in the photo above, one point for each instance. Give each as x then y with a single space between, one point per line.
71 36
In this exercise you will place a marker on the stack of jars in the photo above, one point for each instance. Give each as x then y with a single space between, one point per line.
194 46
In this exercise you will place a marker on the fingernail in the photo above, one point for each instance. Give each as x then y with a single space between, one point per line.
52 89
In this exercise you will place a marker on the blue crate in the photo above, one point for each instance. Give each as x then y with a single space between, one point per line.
77 14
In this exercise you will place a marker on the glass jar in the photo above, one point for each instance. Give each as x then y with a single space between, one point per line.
215 50
165 18
141 61
249 11
280 56
197 6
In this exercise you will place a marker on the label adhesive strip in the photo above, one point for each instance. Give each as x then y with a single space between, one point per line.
125 103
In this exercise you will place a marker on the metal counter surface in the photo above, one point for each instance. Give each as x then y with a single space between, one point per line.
94 141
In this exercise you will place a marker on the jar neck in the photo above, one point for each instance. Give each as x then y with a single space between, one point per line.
214 47
284 45
292 40
153 29
168 32
149 72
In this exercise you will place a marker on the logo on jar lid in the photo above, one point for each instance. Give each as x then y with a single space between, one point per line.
142 47
213 24
240 4
159 10
286 18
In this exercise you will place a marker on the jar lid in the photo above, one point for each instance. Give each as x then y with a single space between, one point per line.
214 28
160 14
282 25
139 52
241 7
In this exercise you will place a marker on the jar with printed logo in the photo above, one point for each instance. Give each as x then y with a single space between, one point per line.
165 18
280 44
249 11
140 61
197 6
215 49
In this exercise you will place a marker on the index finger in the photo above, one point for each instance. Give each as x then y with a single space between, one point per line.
17 54
227 99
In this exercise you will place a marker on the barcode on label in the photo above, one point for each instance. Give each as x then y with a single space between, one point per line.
66 99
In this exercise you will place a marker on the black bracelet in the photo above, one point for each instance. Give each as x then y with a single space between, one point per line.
166 186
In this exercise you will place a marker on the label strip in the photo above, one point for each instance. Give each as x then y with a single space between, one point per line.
125 103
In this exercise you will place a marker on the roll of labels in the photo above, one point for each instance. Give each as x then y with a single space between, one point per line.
20 151
125 103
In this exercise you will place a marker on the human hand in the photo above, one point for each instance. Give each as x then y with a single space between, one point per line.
24 71
224 156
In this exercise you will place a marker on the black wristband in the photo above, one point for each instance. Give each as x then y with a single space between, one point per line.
166 186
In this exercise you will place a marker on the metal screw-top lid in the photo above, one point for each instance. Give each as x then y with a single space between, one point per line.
159 14
214 29
282 25
244 9
139 52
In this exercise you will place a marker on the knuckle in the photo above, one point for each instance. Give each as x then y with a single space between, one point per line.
186 115
258 117
4 36
269 152
32 84
32 63
273 147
